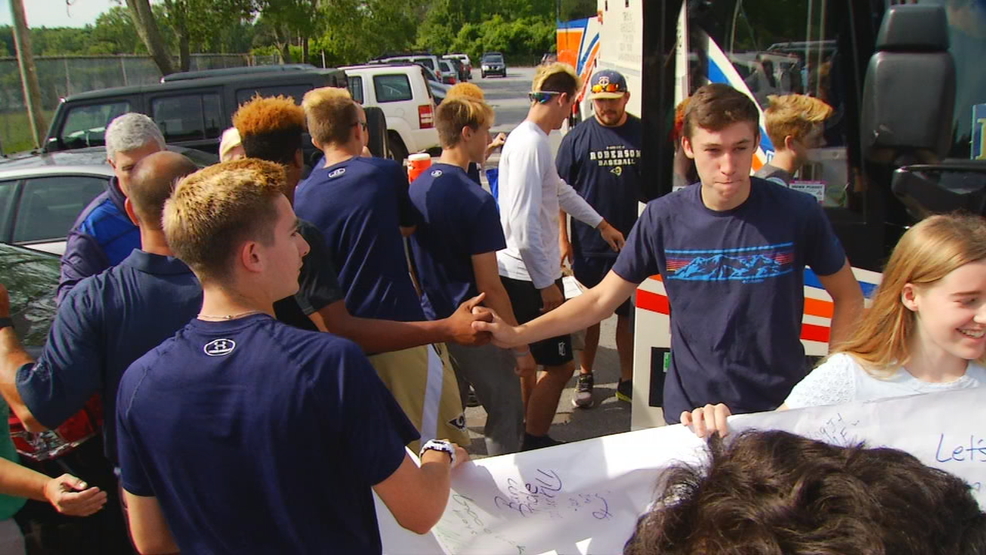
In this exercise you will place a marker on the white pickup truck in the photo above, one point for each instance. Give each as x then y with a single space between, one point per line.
401 91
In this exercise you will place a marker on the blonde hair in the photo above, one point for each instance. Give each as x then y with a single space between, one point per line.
556 77
271 128
455 113
331 113
925 254
214 210
465 90
795 115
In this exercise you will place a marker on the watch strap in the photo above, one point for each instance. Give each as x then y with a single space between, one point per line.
439 445
6 323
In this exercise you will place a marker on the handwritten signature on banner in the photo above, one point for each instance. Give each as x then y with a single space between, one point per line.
585 497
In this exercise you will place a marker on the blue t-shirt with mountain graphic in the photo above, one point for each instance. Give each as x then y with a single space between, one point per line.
735 284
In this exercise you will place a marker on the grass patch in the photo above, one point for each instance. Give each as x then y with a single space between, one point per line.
15 131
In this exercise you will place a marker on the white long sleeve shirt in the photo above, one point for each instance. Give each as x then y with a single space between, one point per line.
530 194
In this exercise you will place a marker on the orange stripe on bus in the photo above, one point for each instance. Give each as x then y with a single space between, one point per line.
818 307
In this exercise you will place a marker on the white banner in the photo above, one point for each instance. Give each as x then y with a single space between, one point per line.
585 497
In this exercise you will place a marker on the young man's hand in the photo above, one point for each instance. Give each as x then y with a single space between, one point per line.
707 420
611 235
551 297
71 496
503 334
526 365
460 323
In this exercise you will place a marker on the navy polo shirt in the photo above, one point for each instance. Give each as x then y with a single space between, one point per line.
104 324
258 437
359 205
459 220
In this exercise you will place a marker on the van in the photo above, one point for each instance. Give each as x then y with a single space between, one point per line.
192 111
402 92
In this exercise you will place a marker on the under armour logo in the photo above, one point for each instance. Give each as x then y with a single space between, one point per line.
436 173
337 173
459 422
219 347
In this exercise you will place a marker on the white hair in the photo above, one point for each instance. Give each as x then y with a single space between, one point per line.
130 132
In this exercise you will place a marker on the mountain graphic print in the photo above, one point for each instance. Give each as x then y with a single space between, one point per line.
748 264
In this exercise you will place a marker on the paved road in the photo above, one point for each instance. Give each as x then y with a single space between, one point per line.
508 96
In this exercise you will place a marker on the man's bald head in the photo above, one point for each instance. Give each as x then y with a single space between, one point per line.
152 180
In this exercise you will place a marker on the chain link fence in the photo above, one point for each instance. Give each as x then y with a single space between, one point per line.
64 76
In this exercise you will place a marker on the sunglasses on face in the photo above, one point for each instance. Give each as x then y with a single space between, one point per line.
608 87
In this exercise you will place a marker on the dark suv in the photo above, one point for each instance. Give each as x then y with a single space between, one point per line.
492 63
194 108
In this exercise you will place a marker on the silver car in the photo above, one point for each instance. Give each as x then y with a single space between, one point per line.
41 195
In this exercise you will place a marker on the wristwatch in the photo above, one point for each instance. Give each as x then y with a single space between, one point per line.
6 323
439 445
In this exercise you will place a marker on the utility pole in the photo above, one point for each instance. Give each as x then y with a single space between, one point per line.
29 73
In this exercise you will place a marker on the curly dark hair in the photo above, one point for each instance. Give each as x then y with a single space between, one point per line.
271 128
773 492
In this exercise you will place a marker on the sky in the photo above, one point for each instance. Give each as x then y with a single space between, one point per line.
54 13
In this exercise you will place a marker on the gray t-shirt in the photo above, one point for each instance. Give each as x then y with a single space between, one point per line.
841 379
775 174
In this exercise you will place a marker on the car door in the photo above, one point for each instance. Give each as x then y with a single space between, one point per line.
44 208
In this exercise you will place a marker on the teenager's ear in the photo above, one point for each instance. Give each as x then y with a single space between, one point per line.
686 146
250 256
788 142
908 297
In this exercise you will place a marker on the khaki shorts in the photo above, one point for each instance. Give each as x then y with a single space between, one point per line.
423 383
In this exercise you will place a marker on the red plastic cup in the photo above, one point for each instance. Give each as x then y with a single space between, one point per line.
417 164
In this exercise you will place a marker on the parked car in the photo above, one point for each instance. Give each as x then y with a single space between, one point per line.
402 91
492 63
450 75
41 195
460 69
465 61
425 59
77 446
193 109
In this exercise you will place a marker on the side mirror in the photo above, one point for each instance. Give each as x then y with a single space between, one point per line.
936 189
909 92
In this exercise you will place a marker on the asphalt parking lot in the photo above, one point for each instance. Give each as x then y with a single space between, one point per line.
508 96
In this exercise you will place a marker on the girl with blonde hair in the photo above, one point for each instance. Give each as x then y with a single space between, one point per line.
924 332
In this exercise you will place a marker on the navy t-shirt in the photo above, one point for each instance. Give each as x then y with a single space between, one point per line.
735 282
359 206
459 220
602 164
258 437
104 324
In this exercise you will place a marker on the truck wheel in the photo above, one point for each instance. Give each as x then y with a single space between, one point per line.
396 150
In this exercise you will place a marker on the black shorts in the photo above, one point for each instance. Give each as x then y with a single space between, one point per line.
590 271
526 301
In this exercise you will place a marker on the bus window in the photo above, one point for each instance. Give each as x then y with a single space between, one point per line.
967 43
779 48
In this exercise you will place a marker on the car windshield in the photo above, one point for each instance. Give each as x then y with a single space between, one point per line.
495 59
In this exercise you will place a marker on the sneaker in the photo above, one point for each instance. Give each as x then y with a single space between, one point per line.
538 442
624 391
583 392
471 399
